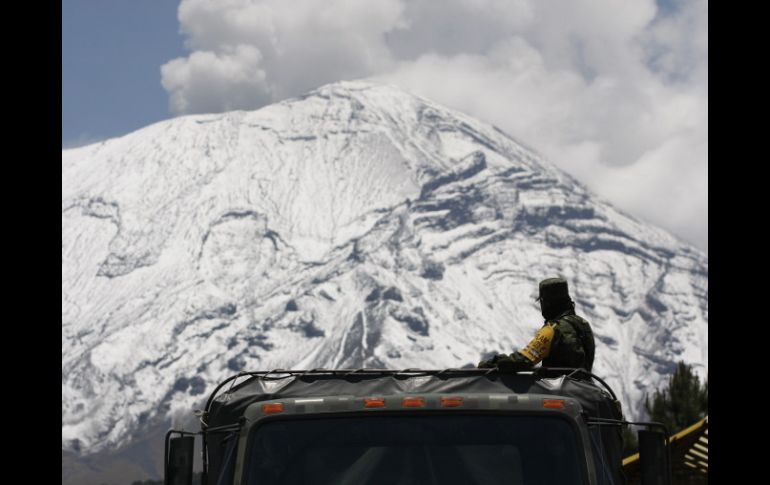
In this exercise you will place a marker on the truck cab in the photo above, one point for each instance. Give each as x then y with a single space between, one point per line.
403 427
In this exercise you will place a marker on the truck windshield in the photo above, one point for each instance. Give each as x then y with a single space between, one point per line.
422 449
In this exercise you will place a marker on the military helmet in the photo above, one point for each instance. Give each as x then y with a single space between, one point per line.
553 289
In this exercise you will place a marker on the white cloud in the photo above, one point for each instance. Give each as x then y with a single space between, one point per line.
667 185
208 81
302 44
613 91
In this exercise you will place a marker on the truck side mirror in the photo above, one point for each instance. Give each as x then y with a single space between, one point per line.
653 458
179 460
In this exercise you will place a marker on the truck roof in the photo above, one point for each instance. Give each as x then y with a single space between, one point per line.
251 397
244 389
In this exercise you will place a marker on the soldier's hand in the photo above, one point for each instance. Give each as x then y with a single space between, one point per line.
486 364
505 363
514 362
490 363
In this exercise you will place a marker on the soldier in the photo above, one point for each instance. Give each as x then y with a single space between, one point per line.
565 339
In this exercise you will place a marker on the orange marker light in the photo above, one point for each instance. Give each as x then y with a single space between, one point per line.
273 408
553 403
413 402
451 402
374 402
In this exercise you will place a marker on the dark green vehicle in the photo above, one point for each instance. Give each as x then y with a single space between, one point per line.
426 427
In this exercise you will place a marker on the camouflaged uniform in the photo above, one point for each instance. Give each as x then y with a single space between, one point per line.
564 340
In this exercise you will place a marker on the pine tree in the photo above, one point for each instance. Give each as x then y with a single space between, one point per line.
683 403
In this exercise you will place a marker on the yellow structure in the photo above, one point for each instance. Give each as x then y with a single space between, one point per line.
689 456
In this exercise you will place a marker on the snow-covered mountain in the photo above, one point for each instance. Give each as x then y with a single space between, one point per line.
355 226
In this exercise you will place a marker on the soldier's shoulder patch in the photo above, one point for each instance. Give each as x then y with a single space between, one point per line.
540 346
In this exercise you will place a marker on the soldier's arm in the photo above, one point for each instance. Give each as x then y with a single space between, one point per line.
497 359
515 361
526 358
536 350
539 347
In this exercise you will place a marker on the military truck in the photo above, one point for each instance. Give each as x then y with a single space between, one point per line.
427 427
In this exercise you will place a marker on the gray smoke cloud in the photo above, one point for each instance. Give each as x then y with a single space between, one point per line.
613 91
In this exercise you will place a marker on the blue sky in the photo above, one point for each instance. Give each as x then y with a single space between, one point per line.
615 92
111 57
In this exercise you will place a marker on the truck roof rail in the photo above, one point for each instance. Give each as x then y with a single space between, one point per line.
276 374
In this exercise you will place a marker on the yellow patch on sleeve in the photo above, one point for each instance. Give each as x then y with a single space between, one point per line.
540 346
